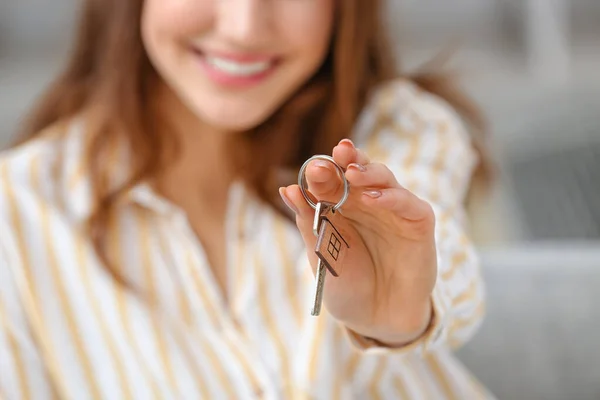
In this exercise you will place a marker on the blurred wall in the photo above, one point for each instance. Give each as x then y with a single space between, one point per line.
34 38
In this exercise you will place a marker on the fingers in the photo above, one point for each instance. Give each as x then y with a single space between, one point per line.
323 180
375 195
294 199
345 153
401 202
373 175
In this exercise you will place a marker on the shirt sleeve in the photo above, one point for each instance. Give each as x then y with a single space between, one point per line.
22 372
425 144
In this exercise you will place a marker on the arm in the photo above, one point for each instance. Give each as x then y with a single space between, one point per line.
410 280
428 149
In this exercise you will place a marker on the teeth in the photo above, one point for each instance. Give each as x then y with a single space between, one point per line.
236 68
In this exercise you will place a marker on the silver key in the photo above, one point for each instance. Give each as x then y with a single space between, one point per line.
320 286
330 248
321 209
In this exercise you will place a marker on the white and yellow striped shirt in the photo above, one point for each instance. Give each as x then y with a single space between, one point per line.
69 331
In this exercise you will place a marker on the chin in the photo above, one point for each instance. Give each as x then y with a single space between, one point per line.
229 125
234 118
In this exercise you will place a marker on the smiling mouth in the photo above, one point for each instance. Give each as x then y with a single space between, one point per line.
242 66
238 68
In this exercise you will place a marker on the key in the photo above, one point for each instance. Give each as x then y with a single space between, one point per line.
322 208
330 248
319 289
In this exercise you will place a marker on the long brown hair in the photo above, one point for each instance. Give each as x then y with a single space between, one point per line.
110 73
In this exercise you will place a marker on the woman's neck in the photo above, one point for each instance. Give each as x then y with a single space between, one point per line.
201 171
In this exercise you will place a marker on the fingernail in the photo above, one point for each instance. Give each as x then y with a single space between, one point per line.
372 193
358 167
347 141
321 164
287 201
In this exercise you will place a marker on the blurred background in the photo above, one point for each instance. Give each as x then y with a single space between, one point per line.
534 67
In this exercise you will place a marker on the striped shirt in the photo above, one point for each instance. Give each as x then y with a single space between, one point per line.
68 330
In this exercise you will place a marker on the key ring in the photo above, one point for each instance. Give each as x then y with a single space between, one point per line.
302 181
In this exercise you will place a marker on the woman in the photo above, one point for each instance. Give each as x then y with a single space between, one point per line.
145 252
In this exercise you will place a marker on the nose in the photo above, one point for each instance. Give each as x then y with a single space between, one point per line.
244 22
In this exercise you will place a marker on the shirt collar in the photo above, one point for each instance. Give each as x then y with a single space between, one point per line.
76 179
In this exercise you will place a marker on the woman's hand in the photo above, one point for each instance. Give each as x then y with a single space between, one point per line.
383 291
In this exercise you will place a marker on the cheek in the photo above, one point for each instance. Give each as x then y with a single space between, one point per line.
166 23
309 31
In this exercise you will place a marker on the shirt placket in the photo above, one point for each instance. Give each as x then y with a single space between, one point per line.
199 285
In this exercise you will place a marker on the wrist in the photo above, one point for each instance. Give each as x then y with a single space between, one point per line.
411 326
